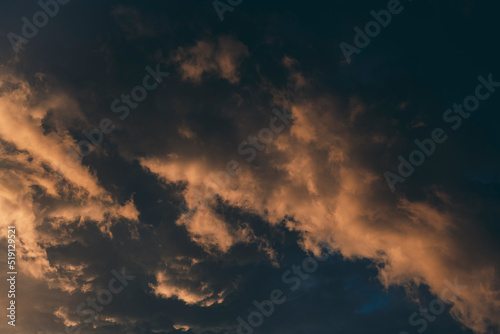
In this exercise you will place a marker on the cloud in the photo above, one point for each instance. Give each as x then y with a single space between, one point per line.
23 115
222 58
202 296
315 178
40 185
205 226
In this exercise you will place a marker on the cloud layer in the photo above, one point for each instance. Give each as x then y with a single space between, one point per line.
314 178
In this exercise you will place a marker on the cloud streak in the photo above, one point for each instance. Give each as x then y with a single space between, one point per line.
313 179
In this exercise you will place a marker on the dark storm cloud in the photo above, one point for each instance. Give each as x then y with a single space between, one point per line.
226 79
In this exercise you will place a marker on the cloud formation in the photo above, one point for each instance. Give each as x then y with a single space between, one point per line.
222 57
315 179
43 184
149 197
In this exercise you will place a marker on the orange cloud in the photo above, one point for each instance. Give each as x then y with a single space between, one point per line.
34 163
312 173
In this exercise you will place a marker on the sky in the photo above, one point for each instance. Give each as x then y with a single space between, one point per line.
239 167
